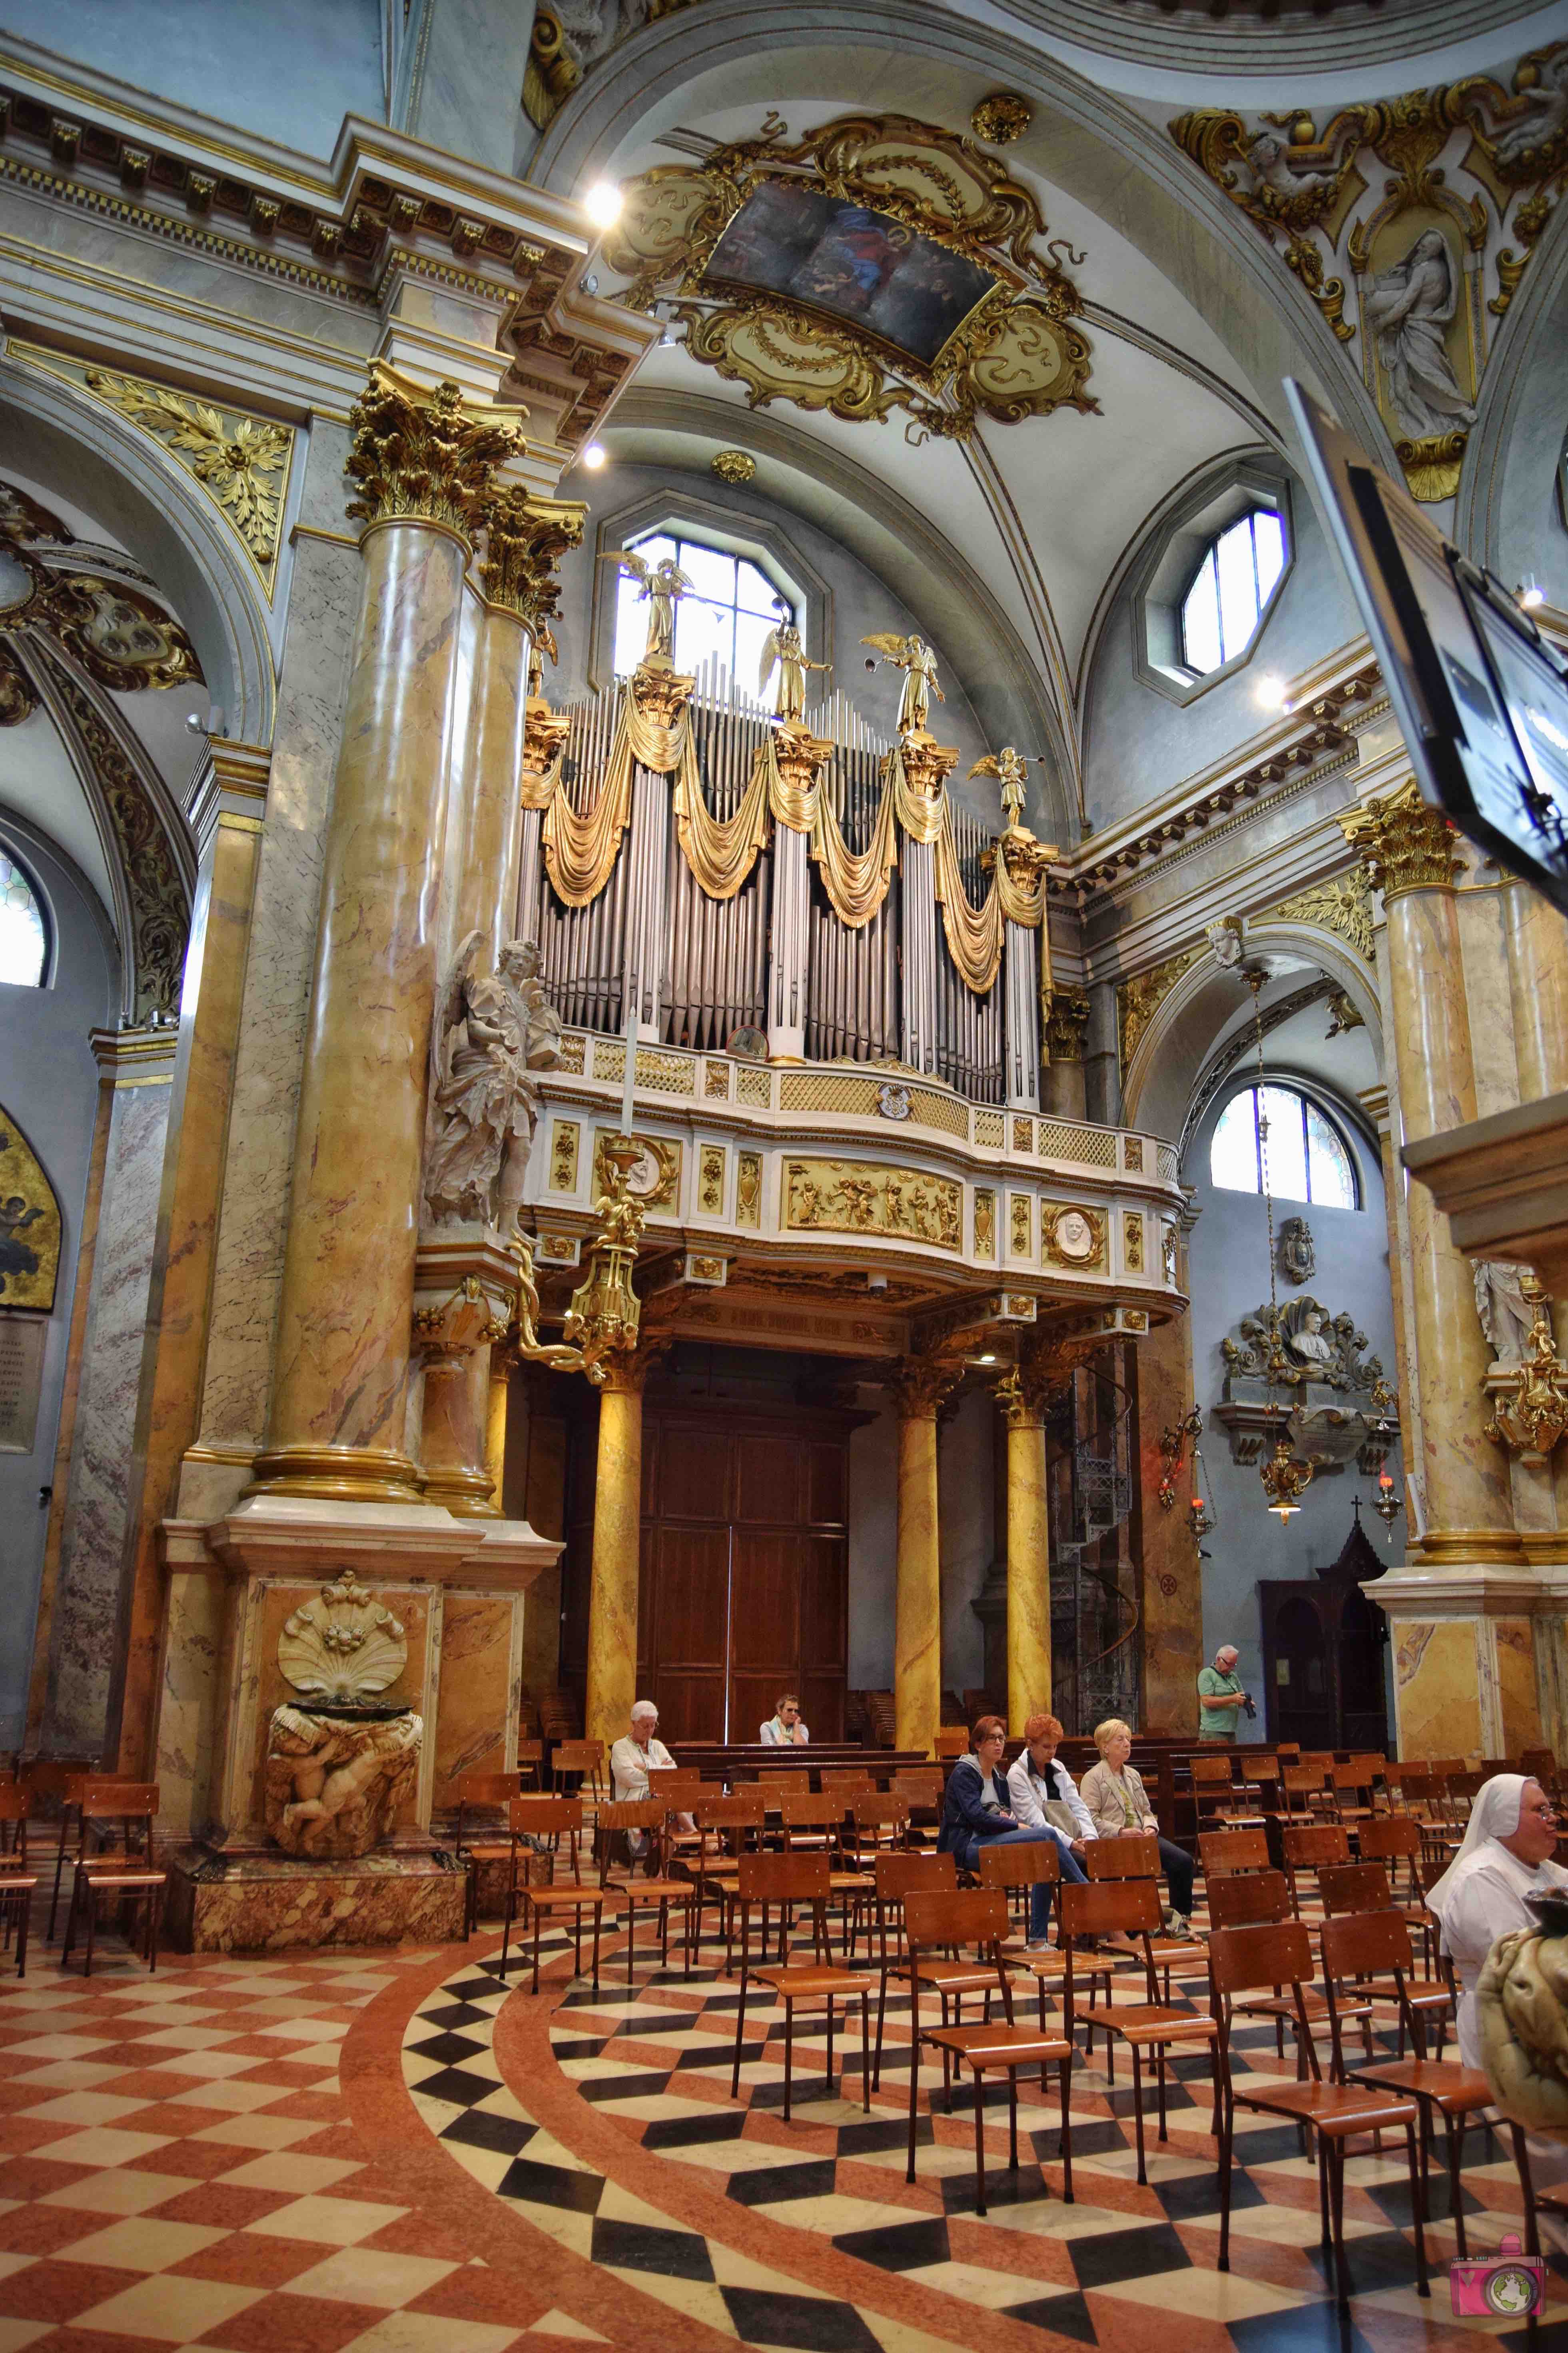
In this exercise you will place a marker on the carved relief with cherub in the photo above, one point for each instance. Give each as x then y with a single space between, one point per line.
341 1763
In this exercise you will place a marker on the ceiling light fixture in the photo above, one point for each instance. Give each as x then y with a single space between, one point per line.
1530 594
1271 692
594 456
603 204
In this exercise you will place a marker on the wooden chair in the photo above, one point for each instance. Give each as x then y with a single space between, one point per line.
1300 1786
1129 1908
789 1881
1306 1847
531 1762
892 1877
878 1826
47 1779
554 1817
726 1829
952 1740
1445 2091
1212 1788
1223 1853
1249 1899
1240 1961
1391 1839
795 1779
1259 1774
648 1817
17 1882
1019 1870
1350 1887
920 1789
817 1825
126 1871
1130 1857
585 1759
1350 1795
482 1793
978 1916
851 1781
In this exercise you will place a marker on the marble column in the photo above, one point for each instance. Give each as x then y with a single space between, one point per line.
1409 849
1172 1568
1029 1558
618 1551
230 808
1067 1025
423 465
918 1389
1537 937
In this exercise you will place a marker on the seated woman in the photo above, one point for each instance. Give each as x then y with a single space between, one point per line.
1113 1793
975 1814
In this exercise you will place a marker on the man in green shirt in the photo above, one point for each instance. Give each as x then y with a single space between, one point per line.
1220 1695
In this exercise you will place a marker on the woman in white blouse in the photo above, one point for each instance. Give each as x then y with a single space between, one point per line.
1113 1793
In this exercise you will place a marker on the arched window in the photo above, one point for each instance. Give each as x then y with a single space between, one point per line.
23 934
734 605
1308 1160
1230 588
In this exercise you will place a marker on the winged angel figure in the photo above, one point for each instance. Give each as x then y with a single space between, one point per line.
916 660
662 586
783 650
1011 772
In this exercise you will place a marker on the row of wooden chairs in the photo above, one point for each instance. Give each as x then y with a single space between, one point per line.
115 1857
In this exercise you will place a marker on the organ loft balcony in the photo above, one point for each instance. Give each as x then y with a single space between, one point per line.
850 1209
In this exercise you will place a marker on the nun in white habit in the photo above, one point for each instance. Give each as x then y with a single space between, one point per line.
1510 1841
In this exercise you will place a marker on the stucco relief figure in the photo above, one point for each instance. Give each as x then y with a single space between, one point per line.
1276 168
661 586
783 650
1407 308
491 1031
916 660
1544 115
1297 1252
335 1787
1505 1314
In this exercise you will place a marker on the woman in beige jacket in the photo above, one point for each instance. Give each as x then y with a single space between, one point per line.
1113 1793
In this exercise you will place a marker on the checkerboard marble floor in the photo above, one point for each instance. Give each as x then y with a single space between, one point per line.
398 2153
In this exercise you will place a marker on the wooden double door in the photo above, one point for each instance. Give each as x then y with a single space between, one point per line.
744 1576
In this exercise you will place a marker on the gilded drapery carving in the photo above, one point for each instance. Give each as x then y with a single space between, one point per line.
580 852
720 851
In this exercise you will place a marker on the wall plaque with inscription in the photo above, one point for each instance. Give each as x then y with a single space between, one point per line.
21 1380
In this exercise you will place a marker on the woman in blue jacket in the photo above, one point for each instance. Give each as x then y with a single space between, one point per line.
975 1814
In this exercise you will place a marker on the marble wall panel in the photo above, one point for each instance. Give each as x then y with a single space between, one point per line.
1518 1684
94 1534
1487 994
322 608
1437 1688
190 1691
481 1668
1173 1571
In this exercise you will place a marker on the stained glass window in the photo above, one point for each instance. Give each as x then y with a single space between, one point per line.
1231 586
731 611
23 936
1308 1160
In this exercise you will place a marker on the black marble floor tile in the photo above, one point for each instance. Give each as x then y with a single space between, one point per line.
1066 2316
1136 2253
689 2132
506 2134
460 2085
641 2247
805 2322
898 2246
552 2185
765 2185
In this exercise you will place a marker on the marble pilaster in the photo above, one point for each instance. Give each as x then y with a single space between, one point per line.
136 1068
918 1389
343 1334
1172 1569
618 1552
1537 942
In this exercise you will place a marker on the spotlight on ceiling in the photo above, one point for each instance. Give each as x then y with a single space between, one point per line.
1530 594
1271 692
594 456
603 204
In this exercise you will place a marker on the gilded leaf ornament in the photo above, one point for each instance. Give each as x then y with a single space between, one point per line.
1343 905
424 454
525 539
244 465
878 263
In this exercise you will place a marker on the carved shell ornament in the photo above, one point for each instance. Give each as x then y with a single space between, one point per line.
342 1644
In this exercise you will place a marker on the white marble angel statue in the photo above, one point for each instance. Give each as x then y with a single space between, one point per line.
490 1032
1407 308
916 660
1011 772
1507 1314
662 586
783 650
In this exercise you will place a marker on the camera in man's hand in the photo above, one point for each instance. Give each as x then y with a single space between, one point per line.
1248 1709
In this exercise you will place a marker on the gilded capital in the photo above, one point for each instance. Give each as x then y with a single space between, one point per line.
1067 1025
927 763
661 695
1026 859
424 453
1023 1403
625 1373
1406 843
919 1387
799 754
525 538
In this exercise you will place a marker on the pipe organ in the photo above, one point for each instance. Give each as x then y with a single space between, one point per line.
809 879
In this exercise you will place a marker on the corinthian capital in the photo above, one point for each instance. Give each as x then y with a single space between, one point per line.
919 1385
525 539
1406 844
424 453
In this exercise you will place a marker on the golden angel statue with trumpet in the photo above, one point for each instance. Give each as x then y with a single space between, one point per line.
783 650
916 660
1012 772
661 587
